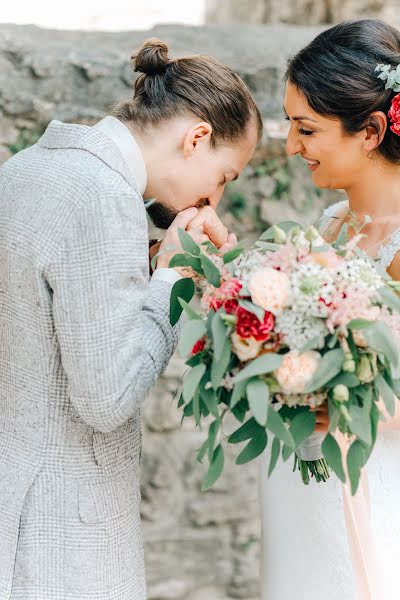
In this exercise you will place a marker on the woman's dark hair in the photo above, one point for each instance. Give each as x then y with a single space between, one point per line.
195 85
336 74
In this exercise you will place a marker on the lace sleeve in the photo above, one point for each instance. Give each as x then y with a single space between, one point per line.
387 252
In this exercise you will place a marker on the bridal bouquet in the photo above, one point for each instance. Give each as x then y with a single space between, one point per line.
284 327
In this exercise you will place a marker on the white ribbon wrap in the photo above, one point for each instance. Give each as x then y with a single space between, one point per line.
310 449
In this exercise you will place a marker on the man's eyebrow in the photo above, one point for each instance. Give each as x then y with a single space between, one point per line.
299 117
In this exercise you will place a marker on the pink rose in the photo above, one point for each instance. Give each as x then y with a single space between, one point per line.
270 289
394 115
297 371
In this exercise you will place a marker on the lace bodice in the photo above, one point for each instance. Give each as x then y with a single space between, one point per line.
386 252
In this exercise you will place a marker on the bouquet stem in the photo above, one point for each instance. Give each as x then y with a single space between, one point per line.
312 468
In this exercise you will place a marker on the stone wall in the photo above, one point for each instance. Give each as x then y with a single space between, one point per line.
307 12
198 546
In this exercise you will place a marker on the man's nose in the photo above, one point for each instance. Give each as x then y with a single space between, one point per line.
294 144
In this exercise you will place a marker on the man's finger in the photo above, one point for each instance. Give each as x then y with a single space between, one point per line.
208 219
183 218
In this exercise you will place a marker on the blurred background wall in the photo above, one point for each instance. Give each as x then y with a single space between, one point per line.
198 546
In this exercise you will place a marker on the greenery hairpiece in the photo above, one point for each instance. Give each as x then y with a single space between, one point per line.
391 76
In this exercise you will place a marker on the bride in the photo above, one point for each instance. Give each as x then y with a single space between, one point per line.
320 543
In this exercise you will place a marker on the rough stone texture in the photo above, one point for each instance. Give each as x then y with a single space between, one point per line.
308 12
198 546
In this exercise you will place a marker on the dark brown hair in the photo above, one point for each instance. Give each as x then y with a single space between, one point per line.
336 74
195 85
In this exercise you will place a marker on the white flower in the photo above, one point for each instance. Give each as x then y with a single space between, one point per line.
269 289
361 272
297 371
298 328
312 287
245 349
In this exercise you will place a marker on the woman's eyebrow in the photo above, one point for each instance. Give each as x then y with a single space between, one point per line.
300 117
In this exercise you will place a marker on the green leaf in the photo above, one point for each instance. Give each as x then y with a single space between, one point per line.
287 452
186 260
355 462
211 249
209 398
302 426
333 456
211 272
390 298
361 423
359 324
277 426
386 394
253 308
191 382
350 380
192 331
269 234
184 288
381 339
202 452
342 236
258 395
196 407
191 313
212 436
260 366
275 451
215 469
330 365
245 432
254 448
231 255
218 331
315 342
219 367
188 243
238 393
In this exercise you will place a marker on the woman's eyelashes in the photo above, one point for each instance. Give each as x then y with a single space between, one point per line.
305 131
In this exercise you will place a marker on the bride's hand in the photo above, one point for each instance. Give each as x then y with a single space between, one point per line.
321 417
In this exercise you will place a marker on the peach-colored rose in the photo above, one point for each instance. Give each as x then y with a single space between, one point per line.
245 349
297 371
270 289
328 259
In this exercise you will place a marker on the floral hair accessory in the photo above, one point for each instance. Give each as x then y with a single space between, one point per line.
392 78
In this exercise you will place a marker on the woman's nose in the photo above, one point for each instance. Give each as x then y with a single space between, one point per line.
293 144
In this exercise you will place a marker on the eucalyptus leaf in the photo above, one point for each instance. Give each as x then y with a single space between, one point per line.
359 324
191 313
192 331
211 272
276 425
355 462
245 432
390 298
238 393
254 448
219 366
212 436
333 456
215 468
191 382
302 426
269 234
202 452
275 451
209 398
186 260
188 243
381 339
258 396
386 394
182 289
361 423
231 255
330 365
314 343
260 366
218 330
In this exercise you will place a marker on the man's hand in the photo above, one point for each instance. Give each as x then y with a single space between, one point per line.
171 244
208 221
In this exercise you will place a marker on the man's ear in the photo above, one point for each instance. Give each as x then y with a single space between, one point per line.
375 130
196 136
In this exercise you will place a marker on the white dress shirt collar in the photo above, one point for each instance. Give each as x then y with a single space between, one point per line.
129 148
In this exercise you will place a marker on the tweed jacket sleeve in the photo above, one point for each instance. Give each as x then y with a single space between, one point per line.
111 323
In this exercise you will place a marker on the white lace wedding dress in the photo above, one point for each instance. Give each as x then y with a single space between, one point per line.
318 543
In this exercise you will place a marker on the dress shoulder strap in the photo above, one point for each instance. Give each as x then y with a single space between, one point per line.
387 252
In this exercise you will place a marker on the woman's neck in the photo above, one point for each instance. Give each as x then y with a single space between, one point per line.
376 192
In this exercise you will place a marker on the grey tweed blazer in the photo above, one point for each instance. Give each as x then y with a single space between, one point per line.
83 336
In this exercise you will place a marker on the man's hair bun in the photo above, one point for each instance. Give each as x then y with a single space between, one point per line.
151 58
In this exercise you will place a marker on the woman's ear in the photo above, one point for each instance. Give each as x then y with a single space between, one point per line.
375 130
196 137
